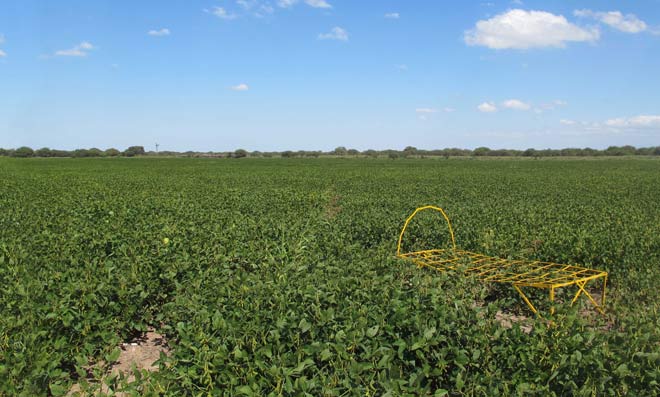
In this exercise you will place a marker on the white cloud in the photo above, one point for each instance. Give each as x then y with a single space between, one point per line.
240 87
487 107
392 15
81 50
159 32
550 105
628 23
448 110
2 54
336 33
246 4
264 9
424 113
515 104
311 3
257 8
567 122
520 29
221 13
318 3
641 121
286 3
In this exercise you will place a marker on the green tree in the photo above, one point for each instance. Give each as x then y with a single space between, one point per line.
112 152
371 153
529 153
134 151
95 152
340 151
81 153
239 153
60 153
23 151
481 151
43 152
409 151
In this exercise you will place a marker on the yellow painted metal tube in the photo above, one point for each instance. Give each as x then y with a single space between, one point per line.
428 207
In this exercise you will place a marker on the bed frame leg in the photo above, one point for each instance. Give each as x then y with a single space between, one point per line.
522 294
552 301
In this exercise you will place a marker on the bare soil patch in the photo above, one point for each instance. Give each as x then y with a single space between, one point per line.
140 353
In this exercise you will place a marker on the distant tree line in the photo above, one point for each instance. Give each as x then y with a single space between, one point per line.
25 151
341 151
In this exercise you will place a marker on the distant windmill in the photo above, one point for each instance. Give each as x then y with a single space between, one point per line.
157 148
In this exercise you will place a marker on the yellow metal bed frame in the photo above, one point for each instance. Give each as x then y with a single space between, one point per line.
519 273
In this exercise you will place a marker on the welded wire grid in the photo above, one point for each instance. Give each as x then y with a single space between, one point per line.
517 272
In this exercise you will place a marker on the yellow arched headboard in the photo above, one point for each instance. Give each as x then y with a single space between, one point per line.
428 207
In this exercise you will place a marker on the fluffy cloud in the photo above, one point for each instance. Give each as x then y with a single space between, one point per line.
628 23
520 29
392 15
81 50
318 3
487 107
567 122
221 13
311 3
159 32
257 8
425 110
336 33
641 121
515 104
247 4
240 87
2 54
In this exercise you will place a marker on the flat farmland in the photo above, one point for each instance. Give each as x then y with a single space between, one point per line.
273 277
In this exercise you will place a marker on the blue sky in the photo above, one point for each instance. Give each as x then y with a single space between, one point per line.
316 74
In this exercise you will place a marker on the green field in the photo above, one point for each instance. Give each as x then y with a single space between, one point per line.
277 277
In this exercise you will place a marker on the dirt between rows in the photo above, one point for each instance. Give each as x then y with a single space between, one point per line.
141 352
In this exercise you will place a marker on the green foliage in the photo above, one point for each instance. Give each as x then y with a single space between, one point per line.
274 277
240 153
112 152
134 151
340 151
23 151
43 152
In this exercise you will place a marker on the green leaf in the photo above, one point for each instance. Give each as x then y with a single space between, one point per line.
245 390
113 356
304 325
326 355
371 332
